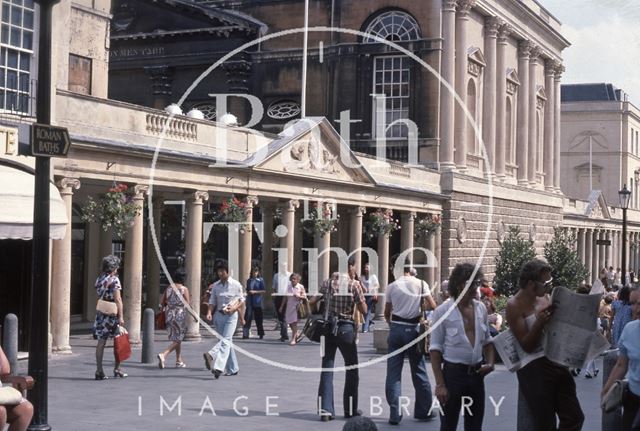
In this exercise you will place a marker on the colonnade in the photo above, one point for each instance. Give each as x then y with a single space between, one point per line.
289 234
454 148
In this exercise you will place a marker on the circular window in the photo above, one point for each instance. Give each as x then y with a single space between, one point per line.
283 110
394 26
207 109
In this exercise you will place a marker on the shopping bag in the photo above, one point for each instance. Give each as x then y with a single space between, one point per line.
161 319
121 345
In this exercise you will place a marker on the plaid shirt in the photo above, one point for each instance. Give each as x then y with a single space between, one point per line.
345 293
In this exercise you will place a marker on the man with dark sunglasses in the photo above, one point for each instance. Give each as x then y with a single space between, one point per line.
548 388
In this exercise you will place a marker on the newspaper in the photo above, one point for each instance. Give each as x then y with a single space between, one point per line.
571 338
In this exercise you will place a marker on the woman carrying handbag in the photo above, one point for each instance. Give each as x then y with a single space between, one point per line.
109 312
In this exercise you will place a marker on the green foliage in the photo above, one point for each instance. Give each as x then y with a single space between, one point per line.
561 254
514 253
113 210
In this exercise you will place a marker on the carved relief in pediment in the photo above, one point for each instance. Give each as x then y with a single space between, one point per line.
310 154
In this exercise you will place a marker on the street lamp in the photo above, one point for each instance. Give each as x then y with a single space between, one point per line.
625 196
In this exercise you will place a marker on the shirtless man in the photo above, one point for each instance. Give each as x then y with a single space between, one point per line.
548 388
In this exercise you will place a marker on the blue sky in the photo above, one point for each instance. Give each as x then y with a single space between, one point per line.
605 38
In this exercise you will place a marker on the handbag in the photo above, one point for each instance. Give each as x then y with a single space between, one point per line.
161 319
317 327
107 307
303 310
615 396
121 345
9 396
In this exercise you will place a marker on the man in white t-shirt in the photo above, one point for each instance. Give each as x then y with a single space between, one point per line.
371 286
404 308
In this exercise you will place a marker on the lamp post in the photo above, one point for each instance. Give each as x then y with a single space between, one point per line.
625 195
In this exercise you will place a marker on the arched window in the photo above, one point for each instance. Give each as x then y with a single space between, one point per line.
393 25
391 74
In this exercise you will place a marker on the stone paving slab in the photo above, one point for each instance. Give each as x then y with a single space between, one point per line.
79 403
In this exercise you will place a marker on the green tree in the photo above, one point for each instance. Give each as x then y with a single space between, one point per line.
514 253
561 254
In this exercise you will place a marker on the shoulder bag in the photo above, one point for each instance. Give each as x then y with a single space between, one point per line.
615 396
317 327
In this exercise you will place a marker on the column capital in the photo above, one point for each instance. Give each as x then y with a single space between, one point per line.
411 215
67 185
251 201
464 6
524 49
559 70
449 5
139 190
492 26
292 204
534 53
504 31
198 196
357 211
550 67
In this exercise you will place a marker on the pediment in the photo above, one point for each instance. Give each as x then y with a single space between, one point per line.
512 76
311 148
161 18
475 55
584 167
540 93
588 140
597 207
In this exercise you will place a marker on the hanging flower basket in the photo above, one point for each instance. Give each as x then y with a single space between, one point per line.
232 210
113 210
427 225
381 222
321 223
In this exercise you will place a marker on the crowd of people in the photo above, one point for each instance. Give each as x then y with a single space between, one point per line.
464 316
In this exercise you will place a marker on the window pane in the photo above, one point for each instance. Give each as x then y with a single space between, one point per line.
5 12
25 61
28 3
5 33
2 104
15 37
28 19
16 15
12 59
12 100
12 79
16 2
24 82
23 103
27 40
2 71
3 56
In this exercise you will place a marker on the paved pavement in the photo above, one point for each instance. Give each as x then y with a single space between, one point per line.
77 402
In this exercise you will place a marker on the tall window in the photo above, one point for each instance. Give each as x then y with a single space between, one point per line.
391 90
16 52
391 75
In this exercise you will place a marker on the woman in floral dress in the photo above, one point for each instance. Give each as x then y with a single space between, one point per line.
176 318
295 294
106 326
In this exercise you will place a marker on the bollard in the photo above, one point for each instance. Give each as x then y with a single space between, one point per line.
525 419
10 340
148 328
613 420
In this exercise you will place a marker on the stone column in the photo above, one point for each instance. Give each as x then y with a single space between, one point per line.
491 26
383 267
437 251
522 150
581 245
609 249
407 220
615 259
132 289
461 120
501 90
267 212
355 234
161 83
193 264
153 261
297 242
61 274
290 222
246 236
588 253
557 128
447 101
595 271
603 249
323 243
105 244
431 272
549 124
533 111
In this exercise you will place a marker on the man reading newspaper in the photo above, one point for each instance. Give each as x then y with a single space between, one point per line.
543 375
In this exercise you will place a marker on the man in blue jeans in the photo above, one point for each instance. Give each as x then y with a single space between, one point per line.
226 299
404 307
